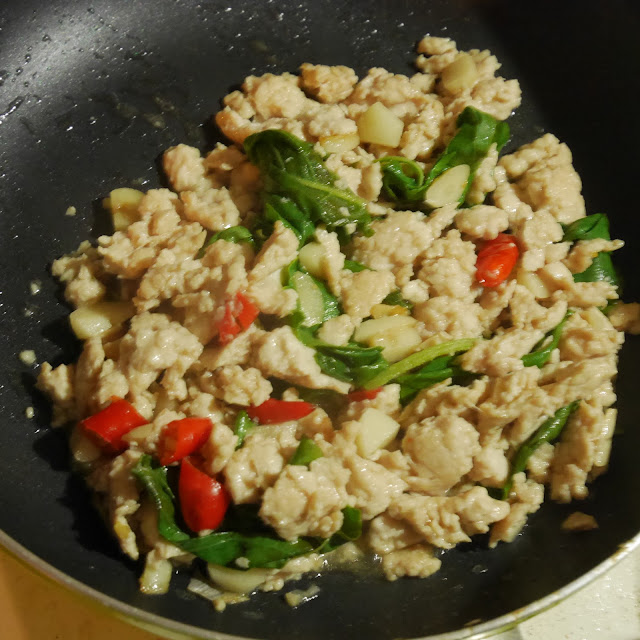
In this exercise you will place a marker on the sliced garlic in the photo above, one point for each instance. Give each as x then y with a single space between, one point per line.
340 143
460 75
448 187
379 125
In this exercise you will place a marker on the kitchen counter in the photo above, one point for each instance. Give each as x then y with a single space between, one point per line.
33 608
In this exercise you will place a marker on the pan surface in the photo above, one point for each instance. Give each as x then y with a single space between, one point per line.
91 93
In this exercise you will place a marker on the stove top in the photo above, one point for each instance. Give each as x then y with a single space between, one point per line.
606 609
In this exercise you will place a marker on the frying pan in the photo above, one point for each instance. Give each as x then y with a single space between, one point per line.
92 91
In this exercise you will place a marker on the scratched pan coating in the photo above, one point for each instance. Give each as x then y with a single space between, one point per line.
90 95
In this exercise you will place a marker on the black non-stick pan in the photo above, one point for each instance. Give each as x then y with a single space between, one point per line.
92 91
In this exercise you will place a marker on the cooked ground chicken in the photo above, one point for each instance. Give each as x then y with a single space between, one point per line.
190 327
578 521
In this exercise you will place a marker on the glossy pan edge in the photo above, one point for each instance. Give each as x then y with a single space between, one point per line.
143 618
173 630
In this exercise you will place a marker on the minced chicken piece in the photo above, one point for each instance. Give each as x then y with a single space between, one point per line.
417 561
578 521
307 502
526 497
328 84
83 274
280 354
545 178
441 450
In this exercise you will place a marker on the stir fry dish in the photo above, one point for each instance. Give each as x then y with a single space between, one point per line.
358 332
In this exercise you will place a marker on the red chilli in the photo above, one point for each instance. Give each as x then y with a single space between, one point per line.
108 427
239 315
203 500
273 411
363 394
181 438
496 260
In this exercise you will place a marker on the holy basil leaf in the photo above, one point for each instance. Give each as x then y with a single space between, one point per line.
601 269
350 363
225 547
306 452
244 518
334 367
232 234
395 299
354 354
541 353
418 359
360 363
548 431
331 304
351 525
327 399
277 207
331 401
403 180
589 228
299 189
217 548
350 531
220 547
273 553
286 210
354 266
435 371
243 426
154 481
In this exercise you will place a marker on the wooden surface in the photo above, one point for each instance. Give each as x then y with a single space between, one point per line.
33 608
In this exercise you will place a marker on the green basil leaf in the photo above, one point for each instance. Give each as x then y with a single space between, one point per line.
355 266
217 548
279 207
334 367
418 359
548 431
154 481
299 189
327 399
243 426
354 354
435 371
244 518
541 353
350 363
350 531
589 228
273 553
306 452
232 234
403 180
601 269
395 298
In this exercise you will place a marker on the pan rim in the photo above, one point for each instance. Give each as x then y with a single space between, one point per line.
173 630
165 625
